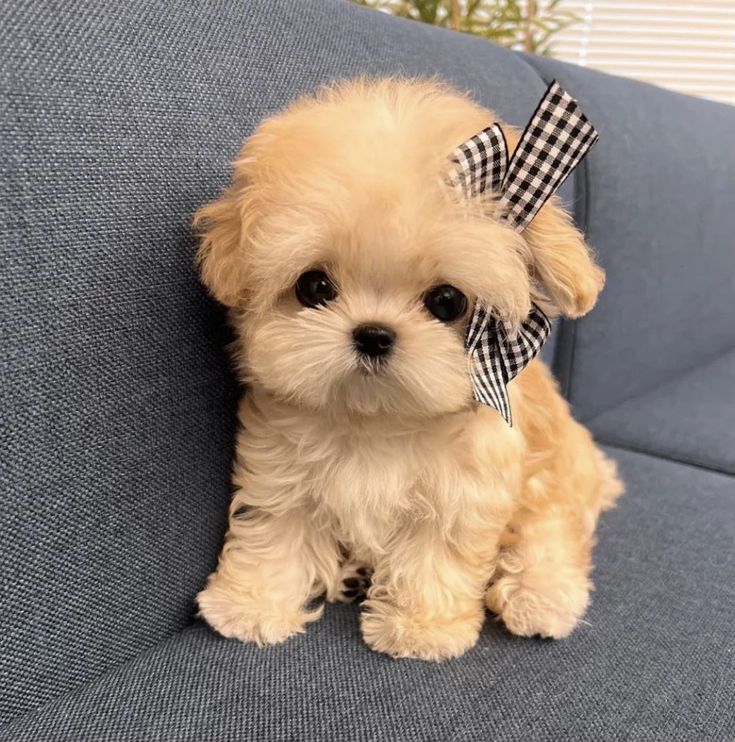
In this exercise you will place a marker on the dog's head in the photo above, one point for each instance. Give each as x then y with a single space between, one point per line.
350 265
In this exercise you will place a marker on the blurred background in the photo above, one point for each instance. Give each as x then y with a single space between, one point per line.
684 45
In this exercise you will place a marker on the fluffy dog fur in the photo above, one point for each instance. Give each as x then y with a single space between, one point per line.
396 471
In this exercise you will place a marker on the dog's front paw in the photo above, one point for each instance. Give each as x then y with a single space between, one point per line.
401 633
238 616
551 612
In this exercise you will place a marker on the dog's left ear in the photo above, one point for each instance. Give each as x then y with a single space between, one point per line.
562 262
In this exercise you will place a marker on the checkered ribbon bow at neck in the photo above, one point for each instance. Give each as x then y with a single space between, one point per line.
554 142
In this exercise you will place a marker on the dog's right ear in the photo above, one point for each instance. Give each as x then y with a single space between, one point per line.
562 261
222 254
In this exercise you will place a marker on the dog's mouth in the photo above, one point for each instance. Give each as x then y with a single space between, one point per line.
372 366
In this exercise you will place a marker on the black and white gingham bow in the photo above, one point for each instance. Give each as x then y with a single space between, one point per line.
555 140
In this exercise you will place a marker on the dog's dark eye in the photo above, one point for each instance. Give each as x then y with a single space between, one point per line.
445 302
314 289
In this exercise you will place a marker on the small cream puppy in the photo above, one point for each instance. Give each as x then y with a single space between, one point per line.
350 268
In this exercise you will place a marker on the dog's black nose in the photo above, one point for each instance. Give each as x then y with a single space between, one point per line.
373 340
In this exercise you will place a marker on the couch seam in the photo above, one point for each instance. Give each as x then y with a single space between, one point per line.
27 715
608 443
655 386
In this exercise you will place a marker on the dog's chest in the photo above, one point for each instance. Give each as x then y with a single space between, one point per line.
372 487
370 472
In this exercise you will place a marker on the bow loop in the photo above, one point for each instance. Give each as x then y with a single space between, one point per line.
481 162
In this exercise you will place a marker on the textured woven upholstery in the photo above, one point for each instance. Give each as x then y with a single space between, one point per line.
116 403
651 664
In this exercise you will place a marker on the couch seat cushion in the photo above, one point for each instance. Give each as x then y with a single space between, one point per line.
654 662
690 419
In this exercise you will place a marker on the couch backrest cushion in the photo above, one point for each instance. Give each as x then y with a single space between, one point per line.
657 200
118 120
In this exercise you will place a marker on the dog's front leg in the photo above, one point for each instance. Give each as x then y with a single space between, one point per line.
268 569
426 599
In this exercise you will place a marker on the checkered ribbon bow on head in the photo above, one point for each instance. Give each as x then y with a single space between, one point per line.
555 140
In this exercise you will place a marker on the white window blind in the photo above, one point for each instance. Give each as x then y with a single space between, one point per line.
684 45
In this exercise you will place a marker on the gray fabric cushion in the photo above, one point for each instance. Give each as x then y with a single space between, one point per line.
691 419
118 120
656 199
654 662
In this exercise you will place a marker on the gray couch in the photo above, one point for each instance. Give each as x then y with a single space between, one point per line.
117 120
